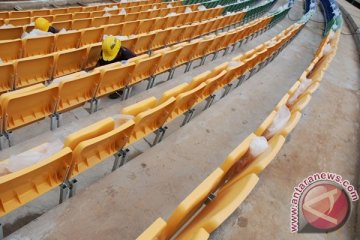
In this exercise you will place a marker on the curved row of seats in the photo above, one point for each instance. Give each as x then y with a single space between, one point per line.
14 33
218 196
20 73
95 143
59 11
78 89
22 48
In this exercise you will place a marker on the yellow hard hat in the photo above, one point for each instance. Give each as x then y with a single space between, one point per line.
110 48
42 24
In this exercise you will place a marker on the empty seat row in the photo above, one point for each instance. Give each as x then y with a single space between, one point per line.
132 13
20 73
58 11
93 144
12 33
206 207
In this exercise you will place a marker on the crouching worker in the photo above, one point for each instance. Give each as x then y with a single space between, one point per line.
112 51
44 25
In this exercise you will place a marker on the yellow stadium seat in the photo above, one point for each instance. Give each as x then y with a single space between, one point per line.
144 15
233 158
170 21
63 24
159 40
91 152
174 92
145 26
81 23
301 103
23 186
67 40
91 36
40 12
113 30
282 101
8 74
11 33
130 42
100 21
153 231
139 107
10 50
159 24
167 60
143 43
38 46
74 9
201 234
185 54
150 120
89 132
264 159
131 17
266 123
24 108
293 88
216 212
93 55
129 28
174 35
34 70
76 92
69 61
116 19
294 119
188 207
144 69
57 11
20 14
185 101
114 79
62 17
19 21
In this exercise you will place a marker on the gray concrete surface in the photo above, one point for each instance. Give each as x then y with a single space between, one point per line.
122 204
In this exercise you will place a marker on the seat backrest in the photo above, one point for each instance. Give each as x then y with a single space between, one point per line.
41 12
23 186
143 43
77 91
39 46
91 35
145 26
186 100
93 55
174 92
93 151
116 19
144 68
159 40
11 50
114 79
67 40
7 79
217 211
139 107
113 30
186 53
81 23
19 21
20 14
81 15
62 24
188 207
32 70
11 33
70 61
129 28
100 21
153 231
150 120
89 132
24 108
167 60
62 17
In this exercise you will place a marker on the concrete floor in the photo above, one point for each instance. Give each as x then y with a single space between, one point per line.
122 204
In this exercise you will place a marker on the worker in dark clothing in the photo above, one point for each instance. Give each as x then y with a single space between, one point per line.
112 51
44 25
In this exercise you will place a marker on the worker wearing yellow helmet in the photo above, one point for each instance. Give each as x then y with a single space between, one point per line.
111 52
44 25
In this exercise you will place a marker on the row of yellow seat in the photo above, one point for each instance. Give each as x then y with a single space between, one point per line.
22 48
59 11
232 182
77 89
37 69
95 143
16 32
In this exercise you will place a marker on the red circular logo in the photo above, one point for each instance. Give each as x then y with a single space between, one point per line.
326 207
